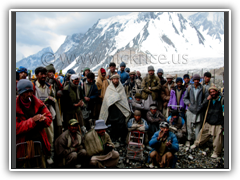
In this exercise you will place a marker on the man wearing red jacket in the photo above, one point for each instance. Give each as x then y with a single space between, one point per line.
32 116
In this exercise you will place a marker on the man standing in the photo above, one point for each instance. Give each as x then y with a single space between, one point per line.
165 95
122 73
22 72
206 82
85 73
112 67
69 146
131 85
67 77
151 86
176 98
100 147
115 109
186 80
164 144
72 101
194 98
32 116
102 83
90 94
214 122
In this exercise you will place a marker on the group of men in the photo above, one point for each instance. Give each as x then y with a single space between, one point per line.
80 121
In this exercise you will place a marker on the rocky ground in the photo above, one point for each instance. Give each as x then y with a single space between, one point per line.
187 158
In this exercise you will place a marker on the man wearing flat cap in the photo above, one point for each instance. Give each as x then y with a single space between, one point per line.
194 97
214 125
132 85
100 147
164 144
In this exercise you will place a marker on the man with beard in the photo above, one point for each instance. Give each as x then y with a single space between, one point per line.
206 82
131 85
72 101
112 71
122 73
164 144
165 95
115 109
151 87
102 83
67 77
32 116
44 92
214 122
57 92
160 74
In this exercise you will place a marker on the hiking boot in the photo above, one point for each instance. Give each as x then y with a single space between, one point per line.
193 146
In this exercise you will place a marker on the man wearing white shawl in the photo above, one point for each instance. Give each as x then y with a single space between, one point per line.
115 109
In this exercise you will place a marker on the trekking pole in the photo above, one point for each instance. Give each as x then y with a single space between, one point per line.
204 121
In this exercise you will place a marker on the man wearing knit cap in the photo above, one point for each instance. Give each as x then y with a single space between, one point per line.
195 96
176 98
67 77
214 125
131 85
123 74
85 72
150 88
165 94
136 102
160 76
32 116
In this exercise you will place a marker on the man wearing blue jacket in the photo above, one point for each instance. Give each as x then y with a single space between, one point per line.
123 74
164 144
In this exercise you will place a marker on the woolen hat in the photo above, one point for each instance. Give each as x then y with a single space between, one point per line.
100 124
22 69
137 113
153 106
73 122
103 70
196 77
212 87
132 73
50 67
185 76
122 64
160 70
74 76
127 69
151 68
179 79
24 85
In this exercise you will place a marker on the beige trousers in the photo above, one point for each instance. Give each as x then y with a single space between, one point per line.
216 132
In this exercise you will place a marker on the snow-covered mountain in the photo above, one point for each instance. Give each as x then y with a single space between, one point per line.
154 34
33 61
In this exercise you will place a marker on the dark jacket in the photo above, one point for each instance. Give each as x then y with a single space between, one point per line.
215 111
157 118
189 98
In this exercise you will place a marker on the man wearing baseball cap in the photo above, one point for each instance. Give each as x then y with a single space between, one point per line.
100 147
32 116
69 147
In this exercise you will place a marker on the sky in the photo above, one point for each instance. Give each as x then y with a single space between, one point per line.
38 30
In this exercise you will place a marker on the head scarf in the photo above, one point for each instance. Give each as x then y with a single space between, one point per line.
101 83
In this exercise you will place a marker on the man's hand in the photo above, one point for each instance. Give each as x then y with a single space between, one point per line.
209 97
87 98
161 134
80 103
39 117
169 143
42 117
